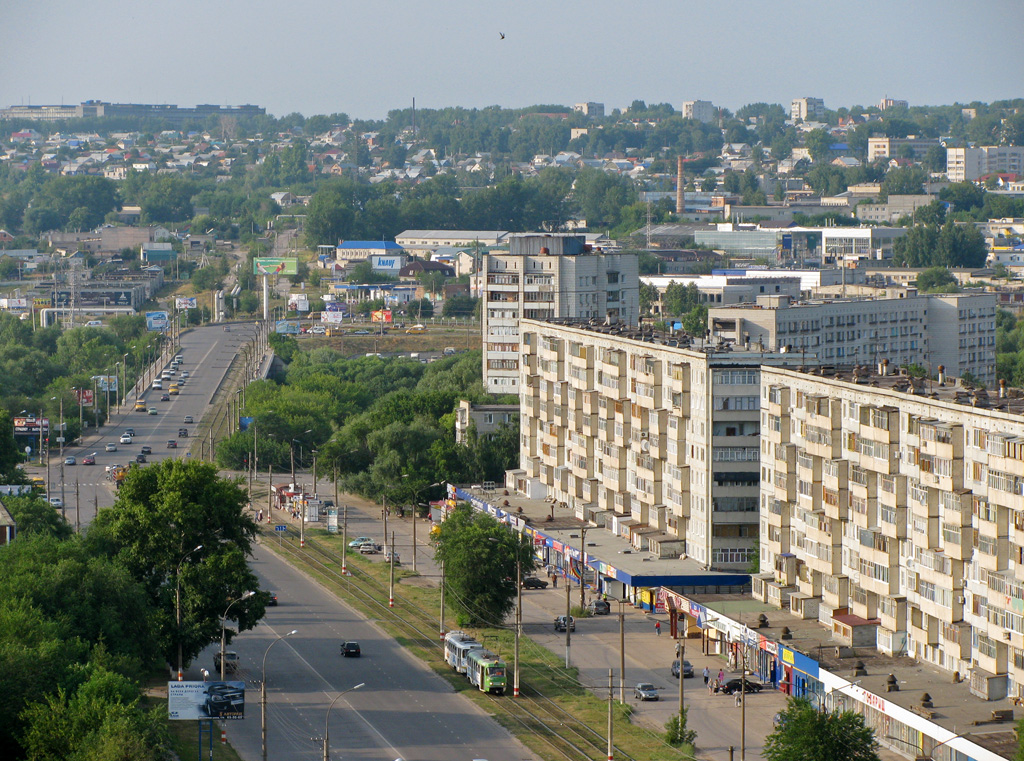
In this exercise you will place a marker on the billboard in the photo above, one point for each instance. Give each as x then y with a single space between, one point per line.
283 326
273 265
380 315
31 425
157 321
94 298
185 302
298 303
84 397
332 318
105 383
189 701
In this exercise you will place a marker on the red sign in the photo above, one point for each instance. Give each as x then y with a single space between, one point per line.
84 397
30 425
380 315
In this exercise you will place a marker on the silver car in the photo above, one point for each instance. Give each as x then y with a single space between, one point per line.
645 691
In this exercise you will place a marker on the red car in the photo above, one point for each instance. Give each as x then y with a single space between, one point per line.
89 459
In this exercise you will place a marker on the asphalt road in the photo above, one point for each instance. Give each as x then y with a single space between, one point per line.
206 353
404 711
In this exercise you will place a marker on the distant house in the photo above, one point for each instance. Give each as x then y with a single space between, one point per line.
361 250
416 268
285 199
158 253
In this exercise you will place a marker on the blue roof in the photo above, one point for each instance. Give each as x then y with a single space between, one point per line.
384 245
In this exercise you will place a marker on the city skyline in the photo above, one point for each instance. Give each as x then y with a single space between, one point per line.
455 55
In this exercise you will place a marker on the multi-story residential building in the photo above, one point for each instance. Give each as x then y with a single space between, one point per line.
955 330
807 110
484 419
886 103
899 502
973 163
547 277
700 110
895 208
427 241
645 434
593 110
893 147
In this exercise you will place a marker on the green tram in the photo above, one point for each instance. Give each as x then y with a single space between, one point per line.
486 671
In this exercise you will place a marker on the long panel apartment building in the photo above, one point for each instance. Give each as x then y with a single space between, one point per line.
955 330
897 506
546 277
646 436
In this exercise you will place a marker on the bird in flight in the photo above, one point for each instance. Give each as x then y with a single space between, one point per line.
502 34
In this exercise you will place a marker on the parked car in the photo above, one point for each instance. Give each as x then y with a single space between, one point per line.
70 460
560 624
230 662
227 328
733 685
532 582
147 449
359 541
350 649
599 608
646 691
369 549
188 419
89 459
687 669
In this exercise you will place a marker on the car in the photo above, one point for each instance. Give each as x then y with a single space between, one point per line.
184 373
560 624
140 458
180 357
646 691
532 582
361 333
369 549
350 649
391 555
599 608
165 397
318 330
188 419
271 599
416 329
126 438
154 411
227 328
733 685
158 385
70 460
223 699
173 390
183 433
130 431
687 669
147 449
94 324
230 662
359 541
89 459
172 443
56 502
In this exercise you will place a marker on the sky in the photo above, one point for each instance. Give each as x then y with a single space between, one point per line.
366 58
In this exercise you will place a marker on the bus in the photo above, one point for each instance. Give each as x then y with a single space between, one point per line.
486 671
458 645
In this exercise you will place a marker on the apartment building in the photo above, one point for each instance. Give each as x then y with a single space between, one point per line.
807 110
547 277
483 419
973 163
591 109
700 110
898 503
646 435
896 147
954 330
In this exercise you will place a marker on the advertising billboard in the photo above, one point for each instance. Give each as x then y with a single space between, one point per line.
332 318
94 298
31 425
157 321
185 302
380 315
105 383
273 265
84 397
189 701
290 328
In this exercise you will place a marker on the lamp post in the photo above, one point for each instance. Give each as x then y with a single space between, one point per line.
263 694
327 729
177 602
223 622
302 512
682 663
117 376
124 379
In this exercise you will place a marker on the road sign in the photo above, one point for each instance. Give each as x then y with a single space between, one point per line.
281 529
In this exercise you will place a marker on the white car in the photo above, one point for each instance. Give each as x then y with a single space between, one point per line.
110 447
56 502
184 373
126 439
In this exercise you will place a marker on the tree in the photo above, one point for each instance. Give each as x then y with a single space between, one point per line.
805 734
35 516
479 556
936 280
162 514
460 305
819 144
677 732
952 245
904 181
695 322
10 454
648 297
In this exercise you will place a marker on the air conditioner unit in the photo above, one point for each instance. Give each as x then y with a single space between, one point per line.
960 600
644 435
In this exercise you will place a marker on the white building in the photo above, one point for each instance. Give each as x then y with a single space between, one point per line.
593 110
700 110
428 241
957 331
546 277
973 163
807 110
890 147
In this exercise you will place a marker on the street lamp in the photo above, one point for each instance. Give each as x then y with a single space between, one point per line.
177 602
223 623
124 379
327 743
263 694
302 512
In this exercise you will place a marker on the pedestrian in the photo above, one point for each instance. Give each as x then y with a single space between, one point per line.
707 676
657 628
259 516
721 676
554 581
739 699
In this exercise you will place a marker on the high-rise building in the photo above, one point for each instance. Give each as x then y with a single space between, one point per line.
591 109
897 503
547 277
964 164
807 110
700 110
887 103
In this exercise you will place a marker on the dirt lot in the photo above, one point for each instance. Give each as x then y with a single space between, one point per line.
435 339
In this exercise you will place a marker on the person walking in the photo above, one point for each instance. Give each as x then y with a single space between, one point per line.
707 676
657 628
721 676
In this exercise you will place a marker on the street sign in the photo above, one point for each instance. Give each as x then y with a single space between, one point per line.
281 529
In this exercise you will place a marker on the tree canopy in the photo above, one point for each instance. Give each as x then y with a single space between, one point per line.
805 734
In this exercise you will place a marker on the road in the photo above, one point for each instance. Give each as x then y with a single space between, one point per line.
404 711
207 353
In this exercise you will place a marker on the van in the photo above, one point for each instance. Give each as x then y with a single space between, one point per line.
416 330
158 385
94 324
140 405
449 351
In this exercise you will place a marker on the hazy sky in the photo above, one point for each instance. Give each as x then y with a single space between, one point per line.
365 58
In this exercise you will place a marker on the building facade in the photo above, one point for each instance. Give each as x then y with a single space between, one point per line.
591 109
658 442
547 277
807 110
954 330
973 163
700 110
485 419
899 502
890 147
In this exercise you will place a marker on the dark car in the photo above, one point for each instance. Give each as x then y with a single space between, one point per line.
532 582
165 397
687 669
271 598
172 443
140 458
183 433
350 649
230 662
599 608
733 685
147 449
223 699
560 624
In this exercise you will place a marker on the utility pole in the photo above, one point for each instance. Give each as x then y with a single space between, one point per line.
78 515
391 586
568 619
519 619
611 692
442 602
583 566
622 655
